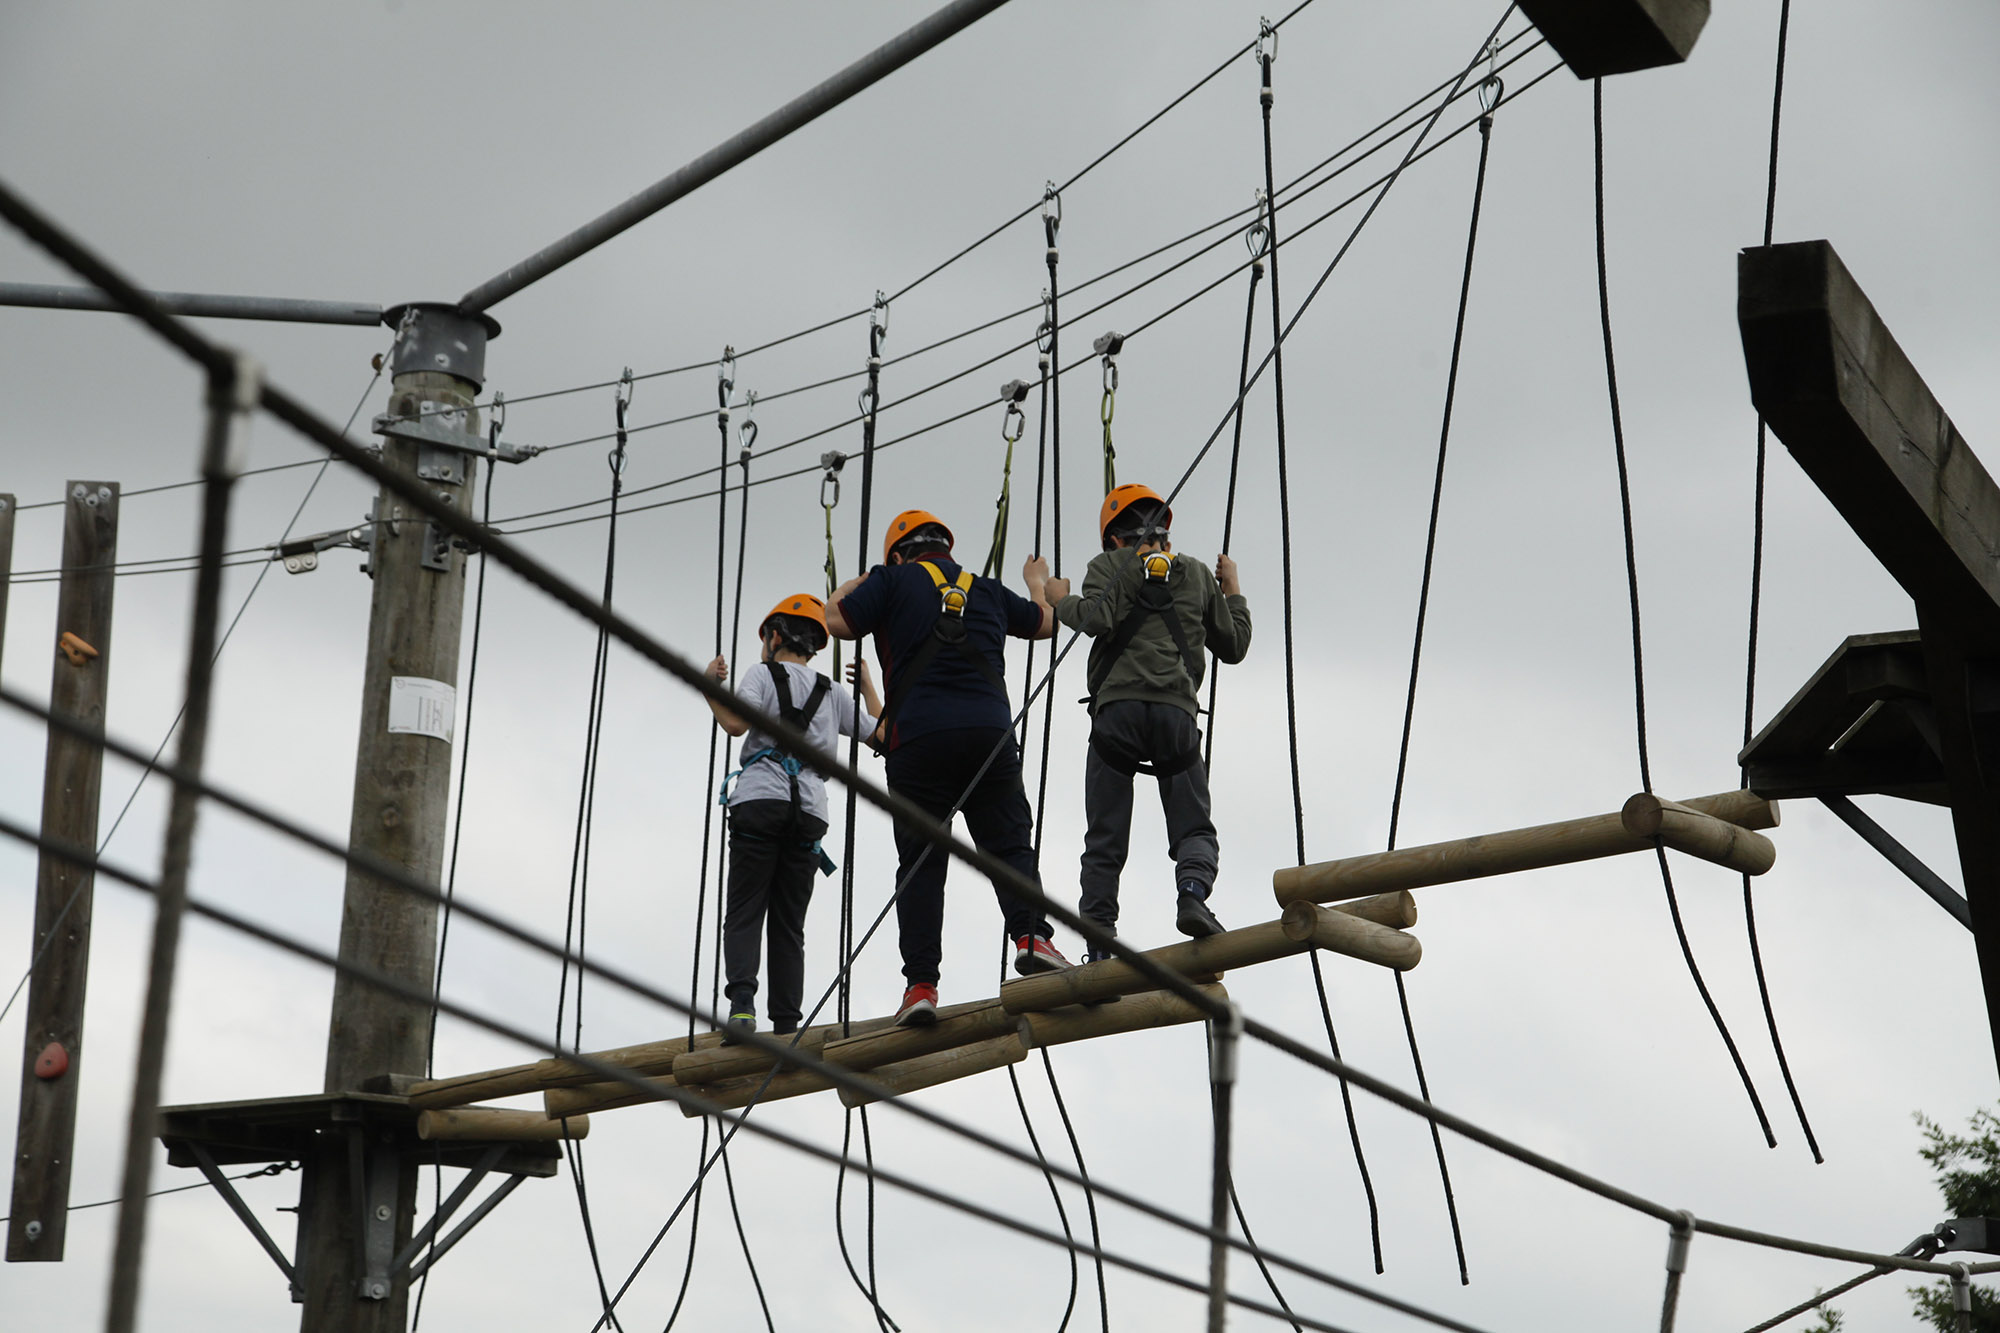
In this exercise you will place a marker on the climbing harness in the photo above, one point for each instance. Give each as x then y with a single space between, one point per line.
1013 424
1107 348
1154 597
947 631
800 716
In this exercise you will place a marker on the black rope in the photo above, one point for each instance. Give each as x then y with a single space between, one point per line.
576 915
1417 653
1756 594
870 404
1277 362
1258 239
1632 586
1048 1177
1089 1194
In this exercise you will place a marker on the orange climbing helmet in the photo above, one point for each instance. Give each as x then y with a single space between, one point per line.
907 522
1123 498
802 606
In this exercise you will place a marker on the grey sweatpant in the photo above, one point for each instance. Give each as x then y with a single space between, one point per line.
1153 732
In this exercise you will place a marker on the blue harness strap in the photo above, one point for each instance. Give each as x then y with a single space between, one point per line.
802 719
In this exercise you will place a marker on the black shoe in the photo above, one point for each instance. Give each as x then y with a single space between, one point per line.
1193 919
738 1024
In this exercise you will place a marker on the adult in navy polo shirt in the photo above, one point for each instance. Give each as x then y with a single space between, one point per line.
947 712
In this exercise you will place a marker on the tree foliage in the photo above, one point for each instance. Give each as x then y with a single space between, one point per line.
1967 1169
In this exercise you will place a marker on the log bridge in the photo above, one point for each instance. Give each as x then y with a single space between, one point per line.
1368 920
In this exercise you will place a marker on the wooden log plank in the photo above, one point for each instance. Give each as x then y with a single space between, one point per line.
1691 832
1496 853
1134 1013
1201 959
53 1028
761 1087
957 1025
1831 381
927 1071
1338 932
713 1064
1398 909
649 1058
1600 37
495 1124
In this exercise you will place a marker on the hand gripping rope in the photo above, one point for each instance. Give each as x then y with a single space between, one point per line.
1107 349
1013 424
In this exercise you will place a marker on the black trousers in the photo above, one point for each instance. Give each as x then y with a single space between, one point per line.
771 868
934 770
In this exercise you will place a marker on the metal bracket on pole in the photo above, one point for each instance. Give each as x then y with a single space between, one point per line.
458 1233
206 1162
477 1173
439 434
374 1176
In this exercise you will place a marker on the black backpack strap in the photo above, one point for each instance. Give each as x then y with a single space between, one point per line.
1152 599
948 630
781 683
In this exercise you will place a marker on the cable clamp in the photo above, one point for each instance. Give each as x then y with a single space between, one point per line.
878 323
496 421
1257 236
1677 1246
1225 1034
1052 204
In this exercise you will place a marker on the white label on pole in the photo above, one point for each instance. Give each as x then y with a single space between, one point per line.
422 707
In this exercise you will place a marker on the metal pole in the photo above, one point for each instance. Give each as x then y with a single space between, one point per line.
1677 1262
1224 1036
231 393
45 296
802 110
1901 857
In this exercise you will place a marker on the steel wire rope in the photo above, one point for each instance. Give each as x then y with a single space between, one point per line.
152 764
1632 589
870 403
747 436
1277 362
494 427
274 1169
288 409
838 1076
849 421
1417 638
686 1098
576 914
1756 597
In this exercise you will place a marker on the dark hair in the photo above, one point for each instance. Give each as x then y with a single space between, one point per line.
929 537
795 634
1137 518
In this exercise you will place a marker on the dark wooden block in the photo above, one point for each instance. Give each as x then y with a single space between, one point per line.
1599 37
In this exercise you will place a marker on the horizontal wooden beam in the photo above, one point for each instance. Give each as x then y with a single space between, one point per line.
496 1124
1337 932
1600 37
1203 959
1833 384
927 1071
1489 854
957 1025
652 1057
1693 833
716 1063
1133 1013
585 1098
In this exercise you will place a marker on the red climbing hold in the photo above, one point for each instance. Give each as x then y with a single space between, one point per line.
53 1062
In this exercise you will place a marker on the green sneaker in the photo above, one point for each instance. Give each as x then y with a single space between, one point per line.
738 1024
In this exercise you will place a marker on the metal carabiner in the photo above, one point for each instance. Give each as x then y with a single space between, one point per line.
865 402
624 390
496 416
1490 92
1110 379
1052 204
1013 423
746 430
725 377
878 314
1265 32
1045 332
1257 235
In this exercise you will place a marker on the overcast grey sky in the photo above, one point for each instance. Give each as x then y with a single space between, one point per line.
407 151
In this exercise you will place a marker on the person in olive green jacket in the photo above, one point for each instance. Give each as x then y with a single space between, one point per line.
1152 613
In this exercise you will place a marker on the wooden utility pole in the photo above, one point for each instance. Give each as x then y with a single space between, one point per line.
52 1053
402 782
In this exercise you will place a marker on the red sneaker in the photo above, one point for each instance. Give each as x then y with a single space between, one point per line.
919 1006
1034 953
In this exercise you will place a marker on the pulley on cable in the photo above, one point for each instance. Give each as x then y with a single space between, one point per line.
1107 348
1013 424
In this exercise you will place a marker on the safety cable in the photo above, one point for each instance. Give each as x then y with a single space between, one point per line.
1041 490
152 764
1377 186
1756 596
1277 363
282 404
1492 85
870 404
1013 424
496 422
1632 588
1093 310
1107 406
576 913
1259 240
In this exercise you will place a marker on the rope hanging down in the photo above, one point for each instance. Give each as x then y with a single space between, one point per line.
1756 593
1490 92
1013 424
1632 587
1265 55
869 403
